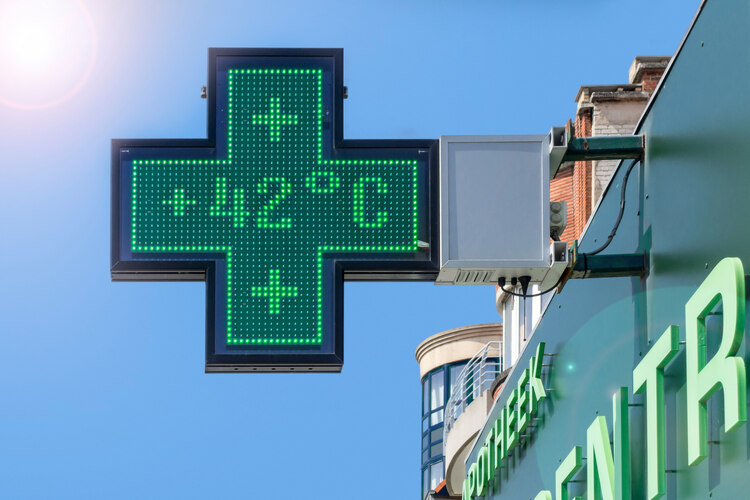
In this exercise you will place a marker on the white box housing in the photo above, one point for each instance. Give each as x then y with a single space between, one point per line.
494 208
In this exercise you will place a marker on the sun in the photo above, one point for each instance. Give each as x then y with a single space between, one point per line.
47 51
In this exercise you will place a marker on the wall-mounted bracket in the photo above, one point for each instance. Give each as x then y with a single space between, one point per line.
585 266
608 266
564 147
611 147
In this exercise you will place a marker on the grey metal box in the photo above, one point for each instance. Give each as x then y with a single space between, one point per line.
494 208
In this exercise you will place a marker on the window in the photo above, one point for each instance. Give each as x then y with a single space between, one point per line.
436 388
455 371
436 474
520 317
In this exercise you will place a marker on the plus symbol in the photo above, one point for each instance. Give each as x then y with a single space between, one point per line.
275 119
274 291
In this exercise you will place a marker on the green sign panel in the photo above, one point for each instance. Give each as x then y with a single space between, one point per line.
608 467
276 210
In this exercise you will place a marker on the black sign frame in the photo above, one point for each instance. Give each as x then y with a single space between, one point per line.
423 265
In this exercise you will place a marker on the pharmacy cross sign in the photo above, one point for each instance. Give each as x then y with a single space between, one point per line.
273 210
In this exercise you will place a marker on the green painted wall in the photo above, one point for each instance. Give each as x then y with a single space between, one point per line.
688 206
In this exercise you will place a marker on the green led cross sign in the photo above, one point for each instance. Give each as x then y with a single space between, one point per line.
274 206
280 207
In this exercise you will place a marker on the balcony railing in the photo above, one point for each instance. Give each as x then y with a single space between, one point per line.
476 377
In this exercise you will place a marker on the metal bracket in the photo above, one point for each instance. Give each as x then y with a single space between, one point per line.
608 266
565 147
608 147
603 266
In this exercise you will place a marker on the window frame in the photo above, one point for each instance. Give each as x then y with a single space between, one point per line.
427 416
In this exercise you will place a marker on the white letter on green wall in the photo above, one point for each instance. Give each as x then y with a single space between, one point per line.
481 475
511 417
489 445
621 427
523 402
466 493
471 478
536 386
600 468
608 471
649 376
565 473
726 283
499 441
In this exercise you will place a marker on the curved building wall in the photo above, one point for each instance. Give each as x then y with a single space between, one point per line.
441 358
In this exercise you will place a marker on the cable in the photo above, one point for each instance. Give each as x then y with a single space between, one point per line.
501 284
622 210
525 279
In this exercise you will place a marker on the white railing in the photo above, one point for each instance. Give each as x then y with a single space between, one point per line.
476 377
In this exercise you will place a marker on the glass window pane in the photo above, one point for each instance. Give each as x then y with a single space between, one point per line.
469 385
437 390
425 396
436 418
455 371
436 474
425 424
436 450
426 441
425 456
436 435
425 482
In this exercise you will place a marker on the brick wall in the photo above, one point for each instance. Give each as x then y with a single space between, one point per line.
650 79
561 189
603 110
615 117
582 176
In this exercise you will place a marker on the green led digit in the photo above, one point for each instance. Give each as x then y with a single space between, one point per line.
359 202
283 190
237 211
220 199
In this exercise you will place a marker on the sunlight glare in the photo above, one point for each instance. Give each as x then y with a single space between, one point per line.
47 51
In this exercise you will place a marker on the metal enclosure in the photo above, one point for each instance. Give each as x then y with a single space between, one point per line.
494 208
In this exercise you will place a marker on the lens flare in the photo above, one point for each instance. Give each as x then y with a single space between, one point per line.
47 51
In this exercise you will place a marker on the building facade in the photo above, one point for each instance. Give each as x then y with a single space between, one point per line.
447 360
450 425
601 110
636 386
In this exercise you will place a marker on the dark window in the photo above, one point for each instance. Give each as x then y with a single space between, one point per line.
436 389
436 435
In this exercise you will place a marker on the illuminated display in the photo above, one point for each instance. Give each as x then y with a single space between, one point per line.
278 205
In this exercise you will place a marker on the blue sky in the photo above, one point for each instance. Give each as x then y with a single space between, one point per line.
102 385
